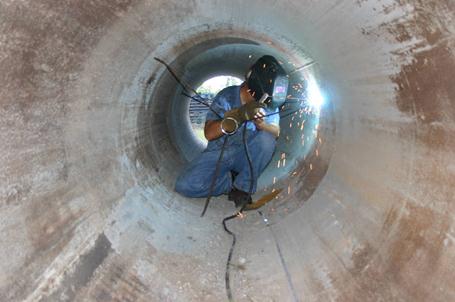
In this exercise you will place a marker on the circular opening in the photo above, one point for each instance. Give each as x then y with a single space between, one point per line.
208 90
302 152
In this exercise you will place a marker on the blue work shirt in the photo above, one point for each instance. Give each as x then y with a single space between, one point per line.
225 100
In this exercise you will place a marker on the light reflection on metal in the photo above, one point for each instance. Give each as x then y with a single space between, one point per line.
315 98
303 67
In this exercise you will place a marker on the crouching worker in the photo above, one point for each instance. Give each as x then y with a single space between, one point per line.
254 105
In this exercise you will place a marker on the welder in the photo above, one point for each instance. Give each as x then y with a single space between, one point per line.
255 105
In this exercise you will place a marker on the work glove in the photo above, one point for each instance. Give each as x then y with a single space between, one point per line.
235 117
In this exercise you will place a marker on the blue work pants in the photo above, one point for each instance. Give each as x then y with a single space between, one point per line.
197 177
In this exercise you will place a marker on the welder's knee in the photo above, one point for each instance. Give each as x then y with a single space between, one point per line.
266 143
186 187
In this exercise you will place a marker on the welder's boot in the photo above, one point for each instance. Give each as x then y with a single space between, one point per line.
239 197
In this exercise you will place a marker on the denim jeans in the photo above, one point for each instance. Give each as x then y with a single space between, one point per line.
196 178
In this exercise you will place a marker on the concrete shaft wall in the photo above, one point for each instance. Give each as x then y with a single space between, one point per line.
88 161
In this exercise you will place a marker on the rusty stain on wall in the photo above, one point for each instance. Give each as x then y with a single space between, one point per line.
399 227
83 271
416 250
425 86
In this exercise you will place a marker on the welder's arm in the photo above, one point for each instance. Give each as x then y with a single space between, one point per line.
212 129
262 125
274 129
233 119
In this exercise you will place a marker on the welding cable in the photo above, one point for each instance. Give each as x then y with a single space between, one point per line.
182 83
231 251
270 114
234 239
186 87
203 103
250 164
215 176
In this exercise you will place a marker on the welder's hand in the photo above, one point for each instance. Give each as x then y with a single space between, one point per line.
249 110
235 114
232 121
234 118
259 119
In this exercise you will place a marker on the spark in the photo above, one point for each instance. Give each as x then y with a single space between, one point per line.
289 189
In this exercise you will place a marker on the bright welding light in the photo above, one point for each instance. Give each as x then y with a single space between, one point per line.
315 99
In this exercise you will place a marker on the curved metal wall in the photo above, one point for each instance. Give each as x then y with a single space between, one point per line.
88 158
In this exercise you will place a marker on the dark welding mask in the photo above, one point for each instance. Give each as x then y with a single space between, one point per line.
268 82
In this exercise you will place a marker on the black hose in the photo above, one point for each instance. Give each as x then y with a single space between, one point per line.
234 240
231 251
217 168
188 88
203 103
250 163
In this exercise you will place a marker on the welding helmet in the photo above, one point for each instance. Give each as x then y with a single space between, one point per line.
267 82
